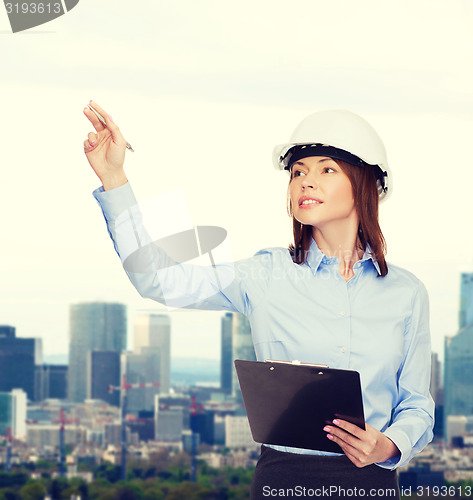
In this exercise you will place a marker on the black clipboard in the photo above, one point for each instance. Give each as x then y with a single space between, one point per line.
289 404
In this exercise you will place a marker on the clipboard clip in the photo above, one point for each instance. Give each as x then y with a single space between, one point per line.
295 362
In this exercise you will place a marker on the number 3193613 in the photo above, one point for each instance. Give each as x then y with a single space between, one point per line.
34 8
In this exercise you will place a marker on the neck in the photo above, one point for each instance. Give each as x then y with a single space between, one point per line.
340 242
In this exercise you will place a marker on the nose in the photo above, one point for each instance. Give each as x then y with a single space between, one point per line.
309 181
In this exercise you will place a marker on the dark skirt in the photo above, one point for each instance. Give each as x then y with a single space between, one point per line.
281 475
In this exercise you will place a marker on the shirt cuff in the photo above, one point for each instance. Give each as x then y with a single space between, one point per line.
403 444
115 201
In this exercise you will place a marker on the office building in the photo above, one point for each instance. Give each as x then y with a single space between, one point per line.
139 369
226 354
152 336
435 377
459 429
150 361
13 413
420 477
169 425
113 435
458 359
48 435
172 416
96 325
242 348
51 382
7 331
466 300
57 386
238 432
103 371
203 423
144 428
19 358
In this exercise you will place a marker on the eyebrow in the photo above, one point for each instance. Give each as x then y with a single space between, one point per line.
299 162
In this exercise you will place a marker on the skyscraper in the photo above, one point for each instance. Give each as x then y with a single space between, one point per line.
149 362
435 376
242 347
137 371
153 338
458 375
466 300
95 325
51 382
226 354
13 413
103 370
19 358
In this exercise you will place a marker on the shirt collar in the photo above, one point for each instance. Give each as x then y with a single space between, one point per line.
315 257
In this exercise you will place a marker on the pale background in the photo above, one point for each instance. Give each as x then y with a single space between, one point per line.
203 90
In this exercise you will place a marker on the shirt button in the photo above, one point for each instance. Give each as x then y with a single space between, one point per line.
342 313
344 349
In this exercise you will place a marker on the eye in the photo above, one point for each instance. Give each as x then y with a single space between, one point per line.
297 173
329 170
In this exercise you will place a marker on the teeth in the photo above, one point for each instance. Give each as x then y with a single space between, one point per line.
307 202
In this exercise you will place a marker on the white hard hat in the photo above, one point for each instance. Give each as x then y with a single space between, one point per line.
341 135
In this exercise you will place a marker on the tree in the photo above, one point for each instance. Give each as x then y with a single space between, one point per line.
159 459
127 491
108 471
98 487
185 491
33 491
153 494
9 494
57 487
12 479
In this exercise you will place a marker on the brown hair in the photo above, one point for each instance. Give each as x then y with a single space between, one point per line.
365 193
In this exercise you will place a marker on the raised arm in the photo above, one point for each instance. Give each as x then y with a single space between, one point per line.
155 272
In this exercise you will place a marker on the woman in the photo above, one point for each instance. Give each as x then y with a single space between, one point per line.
329 299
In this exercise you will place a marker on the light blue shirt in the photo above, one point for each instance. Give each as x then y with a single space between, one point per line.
378 326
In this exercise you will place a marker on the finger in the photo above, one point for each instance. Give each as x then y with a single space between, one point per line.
349 427
92 138
94 120
339 434
116 134
97 108
347 448
88 147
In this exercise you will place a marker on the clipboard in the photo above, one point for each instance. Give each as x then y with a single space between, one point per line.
289 403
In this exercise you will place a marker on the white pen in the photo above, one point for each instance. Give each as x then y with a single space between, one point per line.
102 121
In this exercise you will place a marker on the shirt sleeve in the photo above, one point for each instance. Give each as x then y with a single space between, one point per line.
214 282
412 422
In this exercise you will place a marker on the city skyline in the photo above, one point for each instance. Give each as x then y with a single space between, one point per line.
204 91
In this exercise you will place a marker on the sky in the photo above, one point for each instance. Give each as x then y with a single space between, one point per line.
203 90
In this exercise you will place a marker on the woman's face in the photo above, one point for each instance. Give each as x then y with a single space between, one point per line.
321 192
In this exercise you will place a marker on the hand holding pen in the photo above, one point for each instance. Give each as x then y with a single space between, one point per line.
105 149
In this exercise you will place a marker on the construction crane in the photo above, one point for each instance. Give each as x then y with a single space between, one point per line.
62 442
123 408
194 412
8 457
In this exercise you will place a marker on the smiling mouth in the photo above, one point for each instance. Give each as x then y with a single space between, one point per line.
309 203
